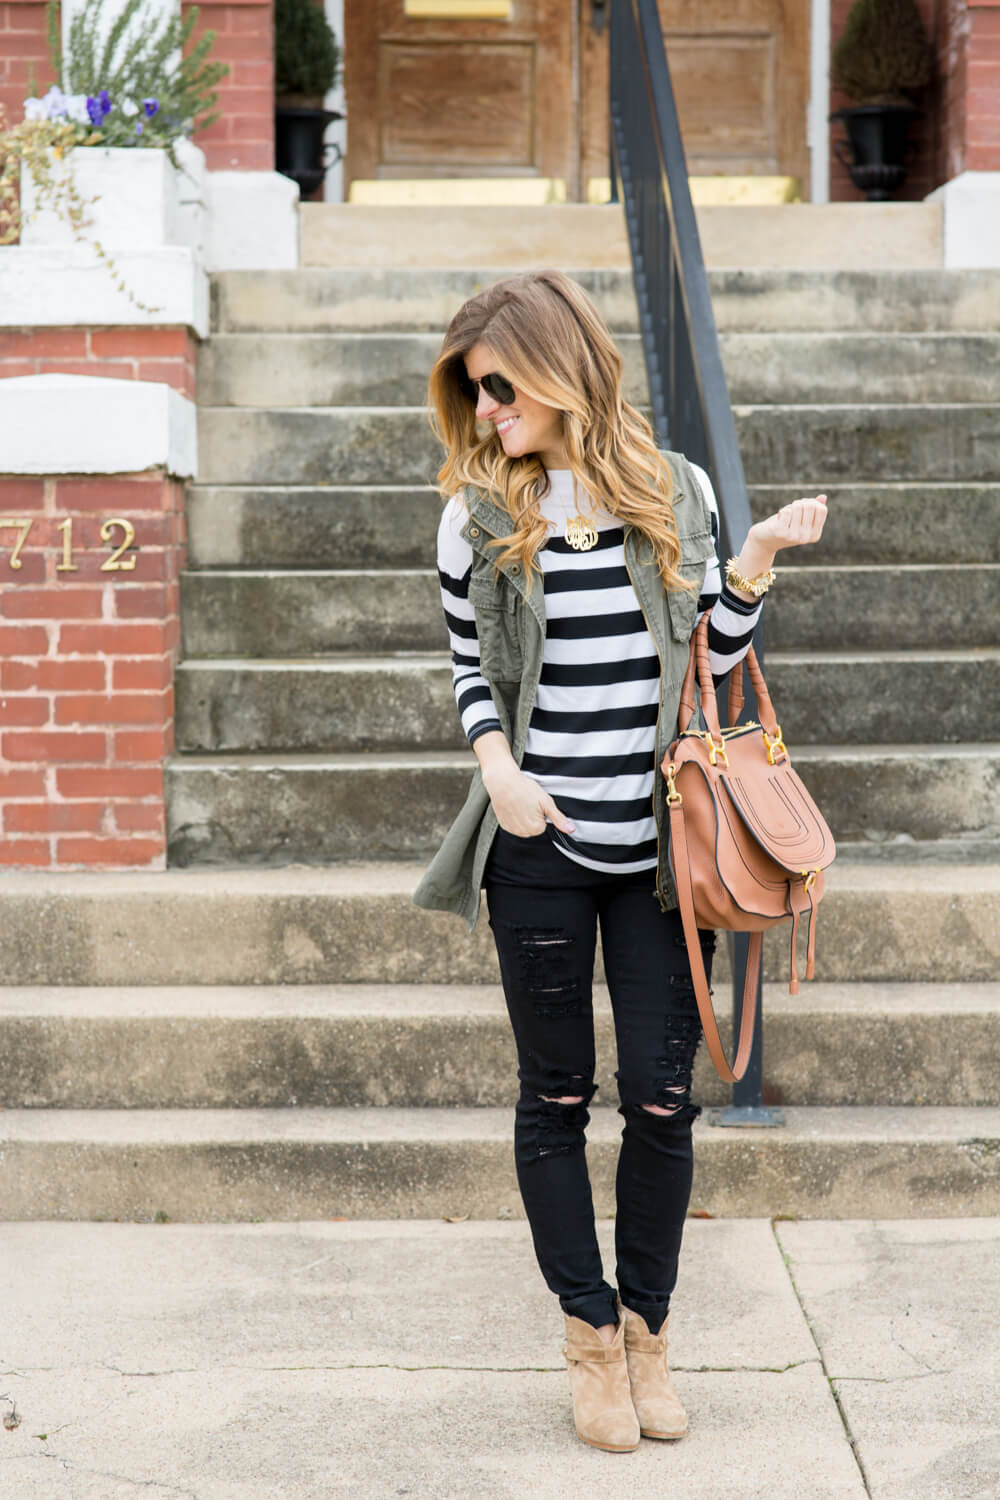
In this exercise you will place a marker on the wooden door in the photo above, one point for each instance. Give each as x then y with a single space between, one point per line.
461 96
740 71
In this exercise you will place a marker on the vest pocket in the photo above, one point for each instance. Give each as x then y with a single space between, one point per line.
498 626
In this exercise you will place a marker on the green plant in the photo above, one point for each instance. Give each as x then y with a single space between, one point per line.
138 87
883 52
306 52
138 64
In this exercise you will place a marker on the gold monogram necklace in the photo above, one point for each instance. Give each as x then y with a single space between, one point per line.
581 532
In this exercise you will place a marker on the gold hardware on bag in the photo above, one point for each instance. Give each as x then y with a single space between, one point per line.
716 752
809 876
774 746
673 795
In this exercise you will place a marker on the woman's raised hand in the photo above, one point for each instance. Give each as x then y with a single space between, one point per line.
793 525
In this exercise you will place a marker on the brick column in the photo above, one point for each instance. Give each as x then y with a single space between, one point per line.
22 47
243 138
86 676
90 569
982 97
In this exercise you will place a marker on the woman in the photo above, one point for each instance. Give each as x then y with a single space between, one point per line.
574 561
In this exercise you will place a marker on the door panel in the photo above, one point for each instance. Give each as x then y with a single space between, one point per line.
740 70
447 97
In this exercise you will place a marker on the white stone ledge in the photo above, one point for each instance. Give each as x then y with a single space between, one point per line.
84 424
71 287
971 206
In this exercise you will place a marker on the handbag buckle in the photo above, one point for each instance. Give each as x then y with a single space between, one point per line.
673 795
716 752
775 746
809 876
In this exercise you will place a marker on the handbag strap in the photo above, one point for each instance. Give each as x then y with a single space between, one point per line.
748 1011
699 669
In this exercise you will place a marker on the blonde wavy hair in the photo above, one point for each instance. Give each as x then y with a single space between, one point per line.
549 341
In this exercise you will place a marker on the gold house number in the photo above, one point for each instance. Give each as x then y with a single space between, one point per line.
115 530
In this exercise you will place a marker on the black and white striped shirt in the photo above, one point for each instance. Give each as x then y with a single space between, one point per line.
591 739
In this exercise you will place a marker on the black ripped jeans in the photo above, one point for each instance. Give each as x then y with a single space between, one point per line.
544 910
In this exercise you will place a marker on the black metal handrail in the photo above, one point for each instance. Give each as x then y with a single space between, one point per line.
687 385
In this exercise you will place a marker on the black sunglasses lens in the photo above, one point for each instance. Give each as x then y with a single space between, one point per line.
501 390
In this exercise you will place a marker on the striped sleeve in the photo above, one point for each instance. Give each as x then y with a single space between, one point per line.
454 561
732 620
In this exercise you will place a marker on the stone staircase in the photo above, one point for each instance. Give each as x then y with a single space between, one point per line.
270 1029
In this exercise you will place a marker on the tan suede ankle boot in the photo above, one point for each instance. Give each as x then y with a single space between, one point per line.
598 1379
657 1404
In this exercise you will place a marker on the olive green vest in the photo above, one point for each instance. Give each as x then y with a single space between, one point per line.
510 623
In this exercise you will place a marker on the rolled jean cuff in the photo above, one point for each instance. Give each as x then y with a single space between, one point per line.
595 1308
653 1312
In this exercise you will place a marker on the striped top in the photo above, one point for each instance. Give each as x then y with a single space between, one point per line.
591 739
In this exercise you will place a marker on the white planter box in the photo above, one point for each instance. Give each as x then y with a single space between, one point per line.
142 202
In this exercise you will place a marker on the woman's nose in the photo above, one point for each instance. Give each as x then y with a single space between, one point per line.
486 405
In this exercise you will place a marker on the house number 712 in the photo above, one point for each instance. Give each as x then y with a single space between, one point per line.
110 529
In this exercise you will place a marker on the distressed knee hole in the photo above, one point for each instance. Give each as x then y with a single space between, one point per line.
675 1067
553 1125
545 960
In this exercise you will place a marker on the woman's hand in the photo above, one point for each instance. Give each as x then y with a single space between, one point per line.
793 525
522 808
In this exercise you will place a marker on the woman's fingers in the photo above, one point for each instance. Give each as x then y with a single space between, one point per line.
798 522
522 808
554 816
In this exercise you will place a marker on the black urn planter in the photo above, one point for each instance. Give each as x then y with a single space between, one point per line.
878 142
299 150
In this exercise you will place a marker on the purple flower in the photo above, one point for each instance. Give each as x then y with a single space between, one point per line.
104 100
150 106
138 127
94 111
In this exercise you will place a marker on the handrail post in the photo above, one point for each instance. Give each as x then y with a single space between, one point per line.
691 410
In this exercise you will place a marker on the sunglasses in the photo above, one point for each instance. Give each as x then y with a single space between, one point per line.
494 385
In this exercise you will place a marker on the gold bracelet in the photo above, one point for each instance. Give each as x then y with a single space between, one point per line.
755 586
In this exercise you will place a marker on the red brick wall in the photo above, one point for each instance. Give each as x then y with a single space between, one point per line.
22 44
983 97
243 137
160 354
86 671
952 62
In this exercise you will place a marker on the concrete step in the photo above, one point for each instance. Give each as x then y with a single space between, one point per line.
403 702
318 809
379 1046
304 1164
357 924
369 298
299 613
791 444
292 526
787 234
808 445
393 526
391 369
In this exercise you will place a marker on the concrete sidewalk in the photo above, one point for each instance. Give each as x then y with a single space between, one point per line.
823 1360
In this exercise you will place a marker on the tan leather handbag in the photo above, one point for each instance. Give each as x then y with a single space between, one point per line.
748 845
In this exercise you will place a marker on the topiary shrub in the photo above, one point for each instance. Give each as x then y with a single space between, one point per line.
882 53
306 53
